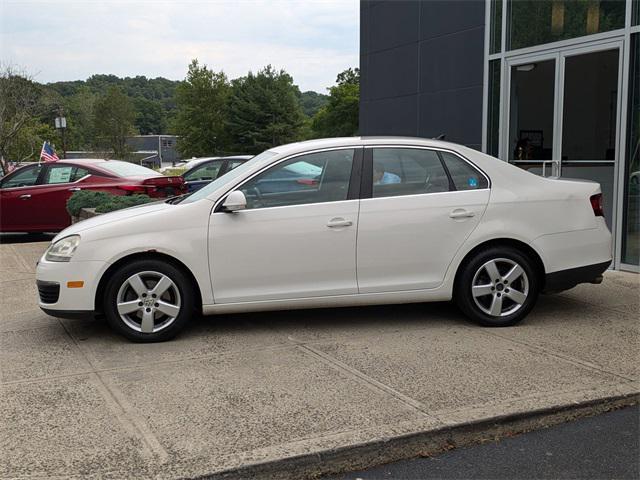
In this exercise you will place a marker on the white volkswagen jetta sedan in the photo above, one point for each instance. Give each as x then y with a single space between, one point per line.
335 222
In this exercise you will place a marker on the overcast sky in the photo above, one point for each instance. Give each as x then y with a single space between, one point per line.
70 40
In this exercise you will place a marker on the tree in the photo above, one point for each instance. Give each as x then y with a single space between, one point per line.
264 111
200 116
113 121
22 103
312 101
339 118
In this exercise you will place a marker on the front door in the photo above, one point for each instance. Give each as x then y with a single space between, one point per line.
297 236
562 115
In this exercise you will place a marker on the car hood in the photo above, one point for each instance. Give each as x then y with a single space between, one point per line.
112 217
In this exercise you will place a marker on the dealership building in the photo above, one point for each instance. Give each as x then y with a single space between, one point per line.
552 86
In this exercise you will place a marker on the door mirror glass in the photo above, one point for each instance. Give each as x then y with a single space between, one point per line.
234 202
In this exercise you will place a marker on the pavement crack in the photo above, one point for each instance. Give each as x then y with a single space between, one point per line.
367 380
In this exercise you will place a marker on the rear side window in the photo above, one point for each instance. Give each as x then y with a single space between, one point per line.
407 171
64 174
464 176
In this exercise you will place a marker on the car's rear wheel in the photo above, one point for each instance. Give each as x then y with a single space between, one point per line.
498 287
148 301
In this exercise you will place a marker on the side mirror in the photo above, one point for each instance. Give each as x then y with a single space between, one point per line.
235 201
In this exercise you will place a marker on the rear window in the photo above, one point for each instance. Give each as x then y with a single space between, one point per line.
128 169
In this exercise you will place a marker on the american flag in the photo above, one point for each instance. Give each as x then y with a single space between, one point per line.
48 154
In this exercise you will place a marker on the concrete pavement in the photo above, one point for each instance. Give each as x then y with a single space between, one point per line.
297 393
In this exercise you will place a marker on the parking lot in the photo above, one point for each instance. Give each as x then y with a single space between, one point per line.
252 389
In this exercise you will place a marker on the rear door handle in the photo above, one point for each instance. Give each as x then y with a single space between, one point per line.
461 213
25 196
339 222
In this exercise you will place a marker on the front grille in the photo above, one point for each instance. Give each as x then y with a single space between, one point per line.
48 291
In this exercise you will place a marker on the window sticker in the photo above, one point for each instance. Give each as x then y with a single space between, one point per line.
60 175
473 182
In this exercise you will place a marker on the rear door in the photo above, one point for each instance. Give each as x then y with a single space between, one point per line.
49 198
418 206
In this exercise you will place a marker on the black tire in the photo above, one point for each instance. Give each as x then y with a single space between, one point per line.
179 296
480 307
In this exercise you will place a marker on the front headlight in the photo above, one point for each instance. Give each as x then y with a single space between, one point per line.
63 249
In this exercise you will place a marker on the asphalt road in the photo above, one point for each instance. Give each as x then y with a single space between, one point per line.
601 447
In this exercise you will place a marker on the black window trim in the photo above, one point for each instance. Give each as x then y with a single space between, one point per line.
354 191
367 175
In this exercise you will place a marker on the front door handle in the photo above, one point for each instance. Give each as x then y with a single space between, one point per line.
25 196
339 222
75 189
461 213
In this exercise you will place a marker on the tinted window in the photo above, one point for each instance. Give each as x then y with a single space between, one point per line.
312 178
127 169
64 174
464 176
26 177
407 171
235 163
208 171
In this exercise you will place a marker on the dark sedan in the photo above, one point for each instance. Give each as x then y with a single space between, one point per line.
33 198
203 171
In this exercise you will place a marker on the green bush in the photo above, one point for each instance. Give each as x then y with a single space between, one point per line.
102 201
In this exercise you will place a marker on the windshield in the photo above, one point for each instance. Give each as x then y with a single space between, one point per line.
127 169
229 177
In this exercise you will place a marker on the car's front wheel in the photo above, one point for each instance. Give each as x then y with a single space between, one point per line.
148 300
498 287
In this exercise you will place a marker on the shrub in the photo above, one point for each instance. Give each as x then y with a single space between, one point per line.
102 201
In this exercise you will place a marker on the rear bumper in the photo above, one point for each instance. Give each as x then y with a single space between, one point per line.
566 279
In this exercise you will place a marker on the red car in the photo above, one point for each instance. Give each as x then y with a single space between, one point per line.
34 198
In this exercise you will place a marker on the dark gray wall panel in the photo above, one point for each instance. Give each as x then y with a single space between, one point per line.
444 17
394 72
392 24
455 113
452 61
391 116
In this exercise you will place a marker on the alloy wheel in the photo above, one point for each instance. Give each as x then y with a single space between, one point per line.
148 302
500 287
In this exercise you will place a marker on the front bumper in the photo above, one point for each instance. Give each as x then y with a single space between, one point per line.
57 298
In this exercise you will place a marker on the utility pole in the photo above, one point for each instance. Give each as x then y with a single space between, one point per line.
61 124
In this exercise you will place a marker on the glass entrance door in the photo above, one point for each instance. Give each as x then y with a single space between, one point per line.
589 119
562 112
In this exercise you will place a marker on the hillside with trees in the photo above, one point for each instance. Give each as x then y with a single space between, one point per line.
210 113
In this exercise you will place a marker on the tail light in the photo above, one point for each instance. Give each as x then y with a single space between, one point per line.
597 205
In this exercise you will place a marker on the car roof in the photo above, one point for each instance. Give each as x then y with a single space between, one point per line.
359 141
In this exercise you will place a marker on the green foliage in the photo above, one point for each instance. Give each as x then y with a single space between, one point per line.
264 111
113 121
201 102
174 172
117 202
339 118
102 201
85 199
28 142
312 101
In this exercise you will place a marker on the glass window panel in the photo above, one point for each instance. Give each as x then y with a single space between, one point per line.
635 12
531 111
208 171
493 110
463 175
407 171
25 177
313 178
535 22
495 45
631 216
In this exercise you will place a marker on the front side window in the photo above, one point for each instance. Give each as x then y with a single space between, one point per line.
208 171
407 171
26 177
463 175
312 178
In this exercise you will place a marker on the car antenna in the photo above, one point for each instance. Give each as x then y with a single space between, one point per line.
440 137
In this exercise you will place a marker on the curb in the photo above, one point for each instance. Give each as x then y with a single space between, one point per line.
421 444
